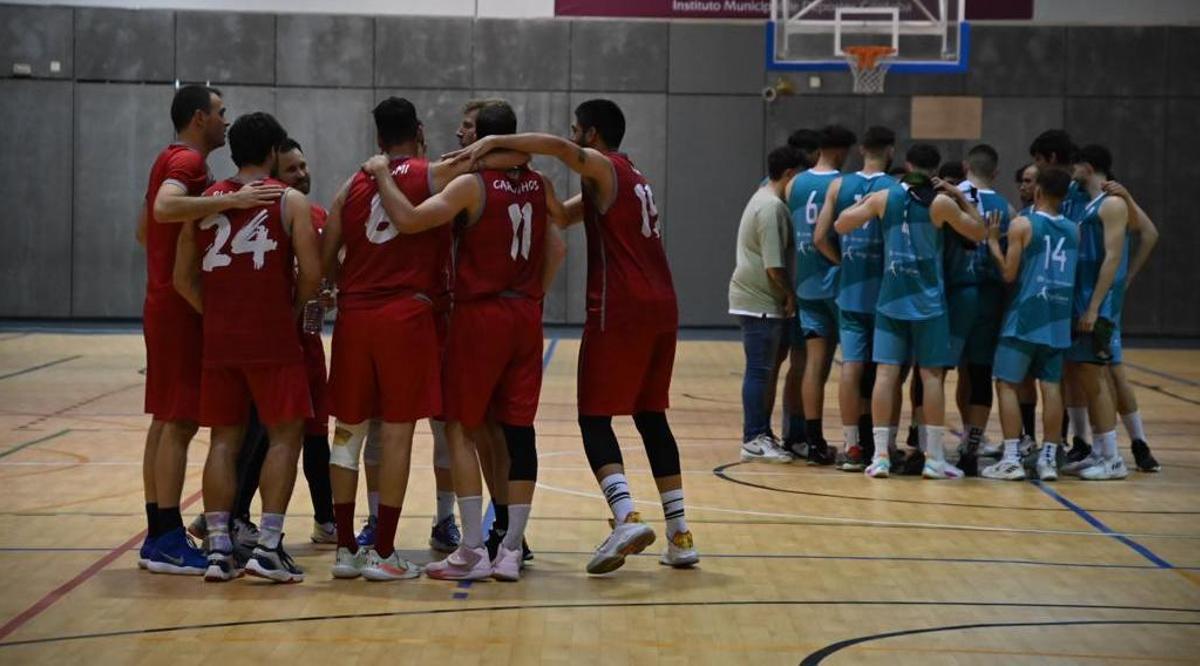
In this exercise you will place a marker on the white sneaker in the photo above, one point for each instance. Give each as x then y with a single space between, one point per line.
879 468
764 449
1047 468
940 469
465 563
1074 469
1005 470
507 565
350 565
323 533
245 533
392 567
681 552
1109 469
627 538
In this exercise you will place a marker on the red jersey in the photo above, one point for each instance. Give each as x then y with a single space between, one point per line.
382 264
628 275
248 285
504 251
318 215
181 164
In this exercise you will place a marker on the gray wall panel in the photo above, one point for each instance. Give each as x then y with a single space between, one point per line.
322 50
1116 61
240 100
925 84
896 113
721 58
708 186
788 114
439 110
619 55
335 128
36 36
1017 60
1183 49
521 55
1175 258
1009 126
125 44
224 47
112 165
35 241
422 52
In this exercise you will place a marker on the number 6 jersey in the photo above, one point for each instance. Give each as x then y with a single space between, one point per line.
247 273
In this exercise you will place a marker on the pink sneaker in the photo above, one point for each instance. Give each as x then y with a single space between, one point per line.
507 565
463 564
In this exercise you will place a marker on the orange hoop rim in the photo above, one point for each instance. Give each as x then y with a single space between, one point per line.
868 56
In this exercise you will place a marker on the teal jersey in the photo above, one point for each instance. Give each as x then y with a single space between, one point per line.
968 262
913 282
862 249
1091 257
1040 310
1075 204
816 277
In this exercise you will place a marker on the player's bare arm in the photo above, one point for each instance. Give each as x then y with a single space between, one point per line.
556 245
573 209
306 245
856 216
172 203
825 223
589 163
461 194
1019 232
331 237
1140 224
446 170
1114 215
966 220
186 276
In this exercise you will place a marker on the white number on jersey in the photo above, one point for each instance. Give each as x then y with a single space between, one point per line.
251 239
646 196
522 223
213 257
1056 255
811 209
379 228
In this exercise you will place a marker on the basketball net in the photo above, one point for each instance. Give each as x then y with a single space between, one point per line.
869 66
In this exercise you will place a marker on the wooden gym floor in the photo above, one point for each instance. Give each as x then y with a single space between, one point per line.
800 565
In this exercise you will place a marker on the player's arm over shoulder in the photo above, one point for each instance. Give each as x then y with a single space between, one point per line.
306 245
854 217
1020 231
966 221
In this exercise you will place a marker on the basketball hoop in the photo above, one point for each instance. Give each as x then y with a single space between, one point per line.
869 66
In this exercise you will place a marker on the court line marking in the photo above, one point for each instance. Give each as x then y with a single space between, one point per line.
1152 387
39 367
560 606
820 655
1105 529
19 620
834 520
28 444
1164 375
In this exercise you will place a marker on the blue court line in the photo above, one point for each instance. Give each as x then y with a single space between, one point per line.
1095 522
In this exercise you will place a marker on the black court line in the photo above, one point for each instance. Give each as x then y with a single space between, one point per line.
719 472
820 655
39 367
1152 387
28 444
630 604
1164 375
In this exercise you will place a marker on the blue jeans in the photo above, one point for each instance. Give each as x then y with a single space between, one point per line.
761 340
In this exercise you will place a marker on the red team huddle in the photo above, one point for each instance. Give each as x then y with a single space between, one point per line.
441 269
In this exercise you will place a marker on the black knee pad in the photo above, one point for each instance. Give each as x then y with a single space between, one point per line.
867 385
599 441
918 388
660 444
981 384
522 452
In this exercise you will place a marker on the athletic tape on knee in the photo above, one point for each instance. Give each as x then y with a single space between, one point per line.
347 444
441 446
373 450
981 384
600 442
661 449
522 453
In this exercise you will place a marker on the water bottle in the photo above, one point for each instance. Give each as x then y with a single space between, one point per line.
314 311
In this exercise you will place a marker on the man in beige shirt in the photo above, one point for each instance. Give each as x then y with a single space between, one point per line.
761 297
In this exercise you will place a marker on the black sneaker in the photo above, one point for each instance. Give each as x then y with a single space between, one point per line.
914 438
913 464
494 538
526 554
969 464
1142 456
1079 450
274 564
797 447
819 453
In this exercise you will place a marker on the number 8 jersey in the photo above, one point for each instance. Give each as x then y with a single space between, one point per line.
247 274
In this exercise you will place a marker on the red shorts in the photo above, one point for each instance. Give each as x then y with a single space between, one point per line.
174 337
279 392
386 364
314 365
625 370
494 362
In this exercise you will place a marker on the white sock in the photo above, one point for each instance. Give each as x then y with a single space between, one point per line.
672 504
1108 443
471 511
616 490
932 442
217 523
445 505
518 518
373 503
892 433
1080 426
1133 425
884 441
1012 450
270 530
850 432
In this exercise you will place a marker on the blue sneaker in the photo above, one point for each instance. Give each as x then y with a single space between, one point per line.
445 536
174 553
146 551
367 536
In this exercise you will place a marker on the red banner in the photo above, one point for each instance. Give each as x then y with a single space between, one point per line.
752 9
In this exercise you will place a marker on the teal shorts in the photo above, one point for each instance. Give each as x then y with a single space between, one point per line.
1016 359
1082 351
856 331
818 319
925 342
